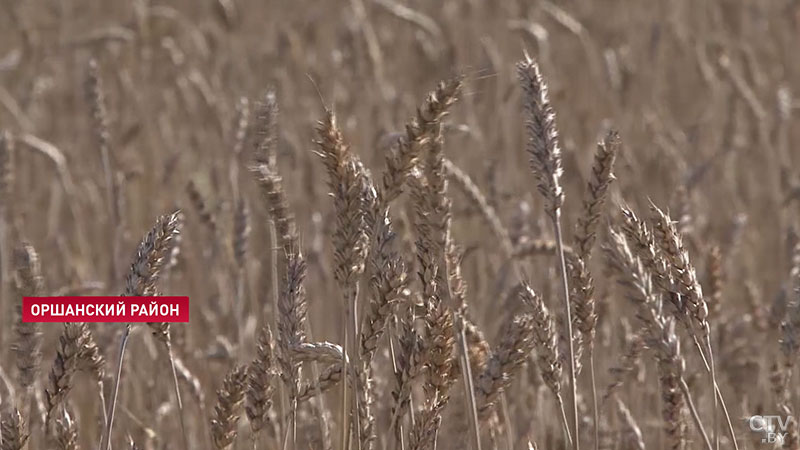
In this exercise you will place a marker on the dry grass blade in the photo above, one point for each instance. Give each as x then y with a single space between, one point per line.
151 256
401 161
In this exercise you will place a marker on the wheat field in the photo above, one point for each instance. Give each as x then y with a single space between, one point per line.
403 224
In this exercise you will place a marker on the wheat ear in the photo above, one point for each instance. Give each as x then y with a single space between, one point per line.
66 432
228 409
27 348
152 254
660 335
585 237
13 430
515 346
545 339
545 157
348 183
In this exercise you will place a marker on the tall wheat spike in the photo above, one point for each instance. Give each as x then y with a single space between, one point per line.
152 254
544 150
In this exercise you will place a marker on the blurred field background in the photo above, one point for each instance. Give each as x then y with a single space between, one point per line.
701 93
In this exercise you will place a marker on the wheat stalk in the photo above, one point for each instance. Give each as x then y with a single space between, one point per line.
152 254
349 185
544 150
545 339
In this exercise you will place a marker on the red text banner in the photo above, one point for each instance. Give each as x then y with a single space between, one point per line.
105 309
